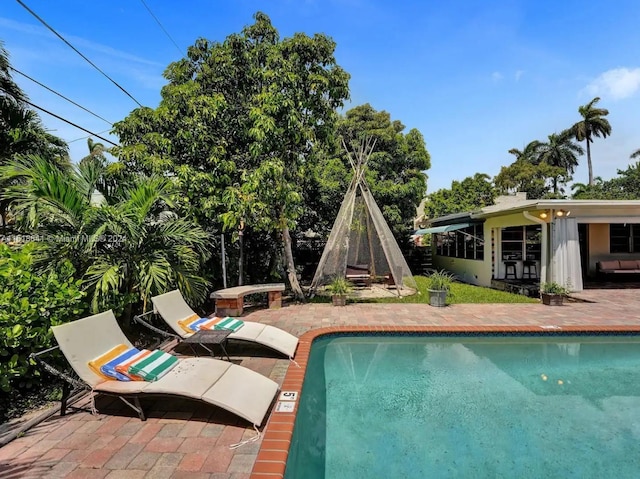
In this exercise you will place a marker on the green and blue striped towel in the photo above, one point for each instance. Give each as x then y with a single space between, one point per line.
229 323
154 366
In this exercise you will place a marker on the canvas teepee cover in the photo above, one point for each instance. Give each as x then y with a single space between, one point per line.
361 236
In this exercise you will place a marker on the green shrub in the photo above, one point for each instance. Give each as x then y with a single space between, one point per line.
339 286
554 288
440 281
32 302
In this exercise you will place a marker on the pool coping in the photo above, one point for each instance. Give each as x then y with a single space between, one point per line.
271 460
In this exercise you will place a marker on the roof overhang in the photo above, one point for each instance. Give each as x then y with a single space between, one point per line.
441 229
532 205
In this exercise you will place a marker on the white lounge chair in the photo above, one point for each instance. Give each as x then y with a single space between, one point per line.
221 383
173 308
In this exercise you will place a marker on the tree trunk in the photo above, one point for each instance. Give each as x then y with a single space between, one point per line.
241 258
589 161
291 267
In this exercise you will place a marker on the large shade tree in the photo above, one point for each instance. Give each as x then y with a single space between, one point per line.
470 194
236 126
523 176
395 171
593 123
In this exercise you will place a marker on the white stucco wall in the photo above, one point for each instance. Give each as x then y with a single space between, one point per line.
597 217
479 272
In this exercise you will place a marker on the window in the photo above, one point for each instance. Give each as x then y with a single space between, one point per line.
512 243
466 243
521 242
624 238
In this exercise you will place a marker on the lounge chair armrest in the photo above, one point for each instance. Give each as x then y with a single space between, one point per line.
138 319
50 369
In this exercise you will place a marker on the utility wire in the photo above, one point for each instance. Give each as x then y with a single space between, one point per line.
59 94
77 51
63 119
85 137
160 24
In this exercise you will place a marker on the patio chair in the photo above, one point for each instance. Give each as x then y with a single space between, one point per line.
239 390
359 274
173 309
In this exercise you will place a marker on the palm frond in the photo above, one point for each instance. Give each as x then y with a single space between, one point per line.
103 278
154 274
42 187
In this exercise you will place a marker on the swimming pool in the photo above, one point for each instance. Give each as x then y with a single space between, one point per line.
478 406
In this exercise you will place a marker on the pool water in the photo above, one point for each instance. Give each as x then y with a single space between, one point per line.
476 407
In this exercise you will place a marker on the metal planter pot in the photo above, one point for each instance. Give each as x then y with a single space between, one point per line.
437 298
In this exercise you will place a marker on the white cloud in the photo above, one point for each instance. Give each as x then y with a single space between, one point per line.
617 83
496 76
78 42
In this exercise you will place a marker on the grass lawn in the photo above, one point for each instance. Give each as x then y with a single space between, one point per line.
460 294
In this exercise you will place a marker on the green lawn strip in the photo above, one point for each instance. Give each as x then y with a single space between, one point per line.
460 294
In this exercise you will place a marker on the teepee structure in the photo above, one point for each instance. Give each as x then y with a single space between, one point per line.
361 237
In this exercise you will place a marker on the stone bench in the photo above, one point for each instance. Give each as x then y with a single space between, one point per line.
230 301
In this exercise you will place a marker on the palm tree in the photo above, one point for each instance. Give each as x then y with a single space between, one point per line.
635 154
592 124
529 154
560 151
21 131
129 248
8 88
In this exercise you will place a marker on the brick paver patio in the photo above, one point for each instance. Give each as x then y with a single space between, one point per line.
187 439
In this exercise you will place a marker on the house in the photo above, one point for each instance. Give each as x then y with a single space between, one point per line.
535 240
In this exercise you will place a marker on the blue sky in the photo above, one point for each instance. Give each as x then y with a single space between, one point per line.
476 78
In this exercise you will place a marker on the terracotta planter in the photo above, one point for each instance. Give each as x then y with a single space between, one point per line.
552 299
339 300
437 298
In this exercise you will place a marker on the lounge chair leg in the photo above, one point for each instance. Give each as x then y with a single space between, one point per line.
136 406
66 391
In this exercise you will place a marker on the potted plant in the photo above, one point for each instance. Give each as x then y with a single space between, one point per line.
339 288
438 285
553 294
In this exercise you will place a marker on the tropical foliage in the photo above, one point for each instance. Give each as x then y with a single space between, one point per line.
128 248
626 186
21 131
32 302
470 194
560 152
593 123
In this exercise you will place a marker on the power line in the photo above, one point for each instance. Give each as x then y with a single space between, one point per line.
63 119
160 24
85 137
77 51
59 94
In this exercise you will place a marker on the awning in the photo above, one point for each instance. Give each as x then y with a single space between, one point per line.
441 229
